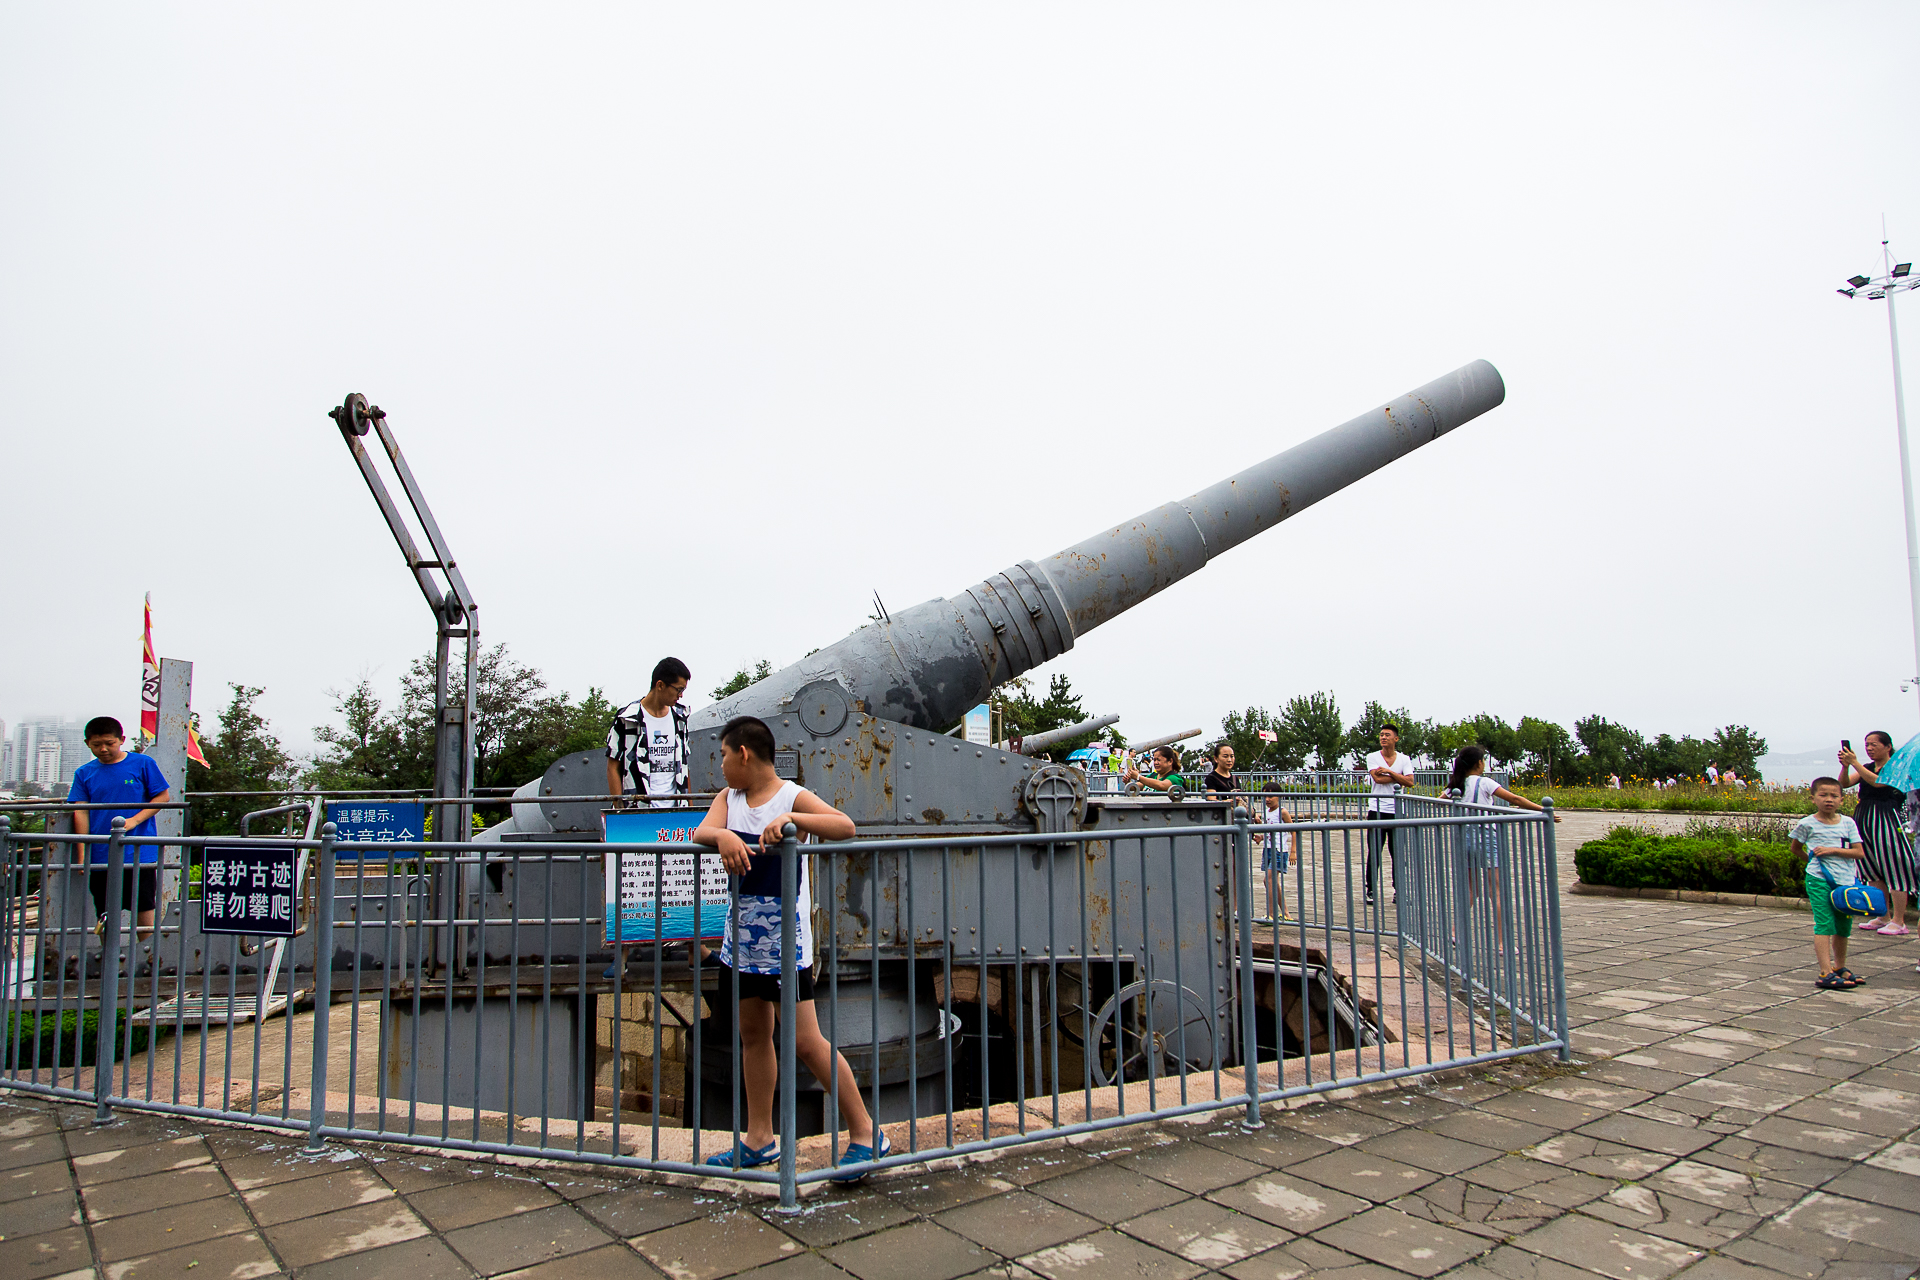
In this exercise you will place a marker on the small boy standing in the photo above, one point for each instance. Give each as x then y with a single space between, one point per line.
1830 843
746 817
116 775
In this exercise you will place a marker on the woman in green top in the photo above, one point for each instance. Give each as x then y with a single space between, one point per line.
1163 778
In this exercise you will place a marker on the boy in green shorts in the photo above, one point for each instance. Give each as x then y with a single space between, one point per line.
1831 845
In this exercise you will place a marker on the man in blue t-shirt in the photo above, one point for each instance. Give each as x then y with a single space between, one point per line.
115 775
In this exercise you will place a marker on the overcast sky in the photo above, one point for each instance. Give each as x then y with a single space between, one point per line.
702 324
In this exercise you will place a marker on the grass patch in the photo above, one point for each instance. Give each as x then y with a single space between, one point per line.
52 1039
1685 798
1742 856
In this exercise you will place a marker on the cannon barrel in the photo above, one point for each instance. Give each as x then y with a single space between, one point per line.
1165 741
926 666
1046 738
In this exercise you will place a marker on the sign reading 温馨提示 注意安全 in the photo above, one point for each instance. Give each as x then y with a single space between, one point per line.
375 821
249 890
656 895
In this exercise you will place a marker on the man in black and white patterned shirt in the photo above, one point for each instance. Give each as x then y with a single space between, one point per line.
647 753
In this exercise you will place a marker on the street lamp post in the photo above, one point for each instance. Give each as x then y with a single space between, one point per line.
1897 278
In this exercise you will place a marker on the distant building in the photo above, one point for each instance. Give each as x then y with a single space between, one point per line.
34 733
7 772
46 763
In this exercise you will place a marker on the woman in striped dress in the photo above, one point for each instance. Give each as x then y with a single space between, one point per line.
1890 862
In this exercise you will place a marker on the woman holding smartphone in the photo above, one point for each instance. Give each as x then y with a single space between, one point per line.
1889 862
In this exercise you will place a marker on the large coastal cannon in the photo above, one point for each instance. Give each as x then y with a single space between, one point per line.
855 716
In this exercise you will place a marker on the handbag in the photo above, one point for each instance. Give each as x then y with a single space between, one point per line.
1856 899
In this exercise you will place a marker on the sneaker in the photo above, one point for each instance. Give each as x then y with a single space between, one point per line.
748 1157
859 1153
1894 931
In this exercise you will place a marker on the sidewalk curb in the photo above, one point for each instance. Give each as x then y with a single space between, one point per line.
1584 889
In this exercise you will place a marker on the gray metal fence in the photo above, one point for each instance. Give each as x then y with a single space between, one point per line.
985 991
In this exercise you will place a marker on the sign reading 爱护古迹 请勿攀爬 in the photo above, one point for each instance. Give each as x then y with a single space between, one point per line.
370 821
658 895
248 891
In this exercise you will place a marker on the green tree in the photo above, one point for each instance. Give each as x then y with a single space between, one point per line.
1241 731
1311 722
1022 714
1607 749
1737 747
243 755
1363 736
367 750
741 679
1547 747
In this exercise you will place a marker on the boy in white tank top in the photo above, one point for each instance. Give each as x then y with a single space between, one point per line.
744 825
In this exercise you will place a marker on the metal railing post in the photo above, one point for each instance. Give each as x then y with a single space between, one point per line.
1249 1004
1556 957
322 988
789 1010
106 1038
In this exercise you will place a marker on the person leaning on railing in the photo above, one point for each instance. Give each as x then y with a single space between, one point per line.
1481 840
747 817
1163 777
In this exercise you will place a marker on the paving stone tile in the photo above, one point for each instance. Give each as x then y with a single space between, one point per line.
1595 1093
1363 1174
129 1130
115 1163
134 1234
1424 1149
524 1239
1691 1065
1109 1192
1310 1258
1809 1253
31 1215
1725 1268
1290 1202
1597 1156
54 1177
1274 1147
1764 1160
1633 1076
1611 1250
1477 1210
1342 1126
918 1251
18 1122
1018 1222
1507 1262
243 1257
830 1219
1901 1157
935 1192
410 1173
49 1253
1727 1189
1537 1108
707 1248
1890 1078
1826 1140
284 1201
609 1262
1836 1047
1877 1186
137 1195
1206 1234
1718 1091
1648 1135
1024 1168
1538 1180
1808 1064
1465 1092
1405 1106
423 1259
1853 1105
305 1241
1487 1130
1107 1253
1671 1216
480 1200
1191 1167
1889 1229
279 1164
811 1266
1403 1242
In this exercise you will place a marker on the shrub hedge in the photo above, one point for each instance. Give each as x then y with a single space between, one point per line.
37 1041
1722 860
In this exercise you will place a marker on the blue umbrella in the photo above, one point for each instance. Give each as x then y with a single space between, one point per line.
1902 768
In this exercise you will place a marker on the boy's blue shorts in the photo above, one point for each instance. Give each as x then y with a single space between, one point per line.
1273 858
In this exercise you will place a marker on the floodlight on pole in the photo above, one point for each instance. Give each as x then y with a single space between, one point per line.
1897 278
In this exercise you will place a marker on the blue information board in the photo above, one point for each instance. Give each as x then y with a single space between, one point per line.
364 821
653 895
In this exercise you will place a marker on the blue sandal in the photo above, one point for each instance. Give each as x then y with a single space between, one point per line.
859 1153
747 1156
